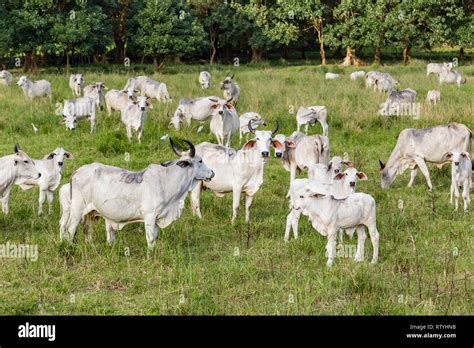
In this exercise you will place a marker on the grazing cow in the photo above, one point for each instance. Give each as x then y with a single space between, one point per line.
236 171
331 179
398 103
433 97
372 77
136 83
134 115
96 92
34 89
434 68
331 76
154 195
230 89
329 215
51 168
311 115
225 122
461 175
415 146
384 85
255 120
448 76
6 78
154 89
75 109
14 169
116 100
200 109
205 79
76 83
355 75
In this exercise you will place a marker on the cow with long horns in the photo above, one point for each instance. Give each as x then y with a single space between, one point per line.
236 171
154 195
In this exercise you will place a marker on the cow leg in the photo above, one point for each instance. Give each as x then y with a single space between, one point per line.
374 238
306 128
325 128
331 246
292 221
465 194
110 232
151 230
248 203
42 198
139 135
75 217
456 196
49 195
413 173
5 202
424 170
451 193
359 256
235 202
129 134
196 201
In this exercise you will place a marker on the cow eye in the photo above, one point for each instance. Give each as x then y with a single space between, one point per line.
26 162
301 197
258 138
200 161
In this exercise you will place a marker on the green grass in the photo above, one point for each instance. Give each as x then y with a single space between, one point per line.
214 268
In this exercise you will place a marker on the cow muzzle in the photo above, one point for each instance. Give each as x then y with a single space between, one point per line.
352 184
279 154
456 163
212 175
265 154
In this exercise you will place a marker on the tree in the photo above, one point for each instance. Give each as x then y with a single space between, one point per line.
167 28
72 30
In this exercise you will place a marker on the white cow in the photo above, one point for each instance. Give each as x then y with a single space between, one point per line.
155 89
224 122
76 84
435 68
433 96
310 115
417 145
134 116
200 109
136 83
154 195
331 76
51 168
329 179
14 169
329 215
6 78
230 89
34 89
236 171
399 103
255 120
76 109
448 76
384 85
116 100
357 74
96 92
372 77
461 176
205 79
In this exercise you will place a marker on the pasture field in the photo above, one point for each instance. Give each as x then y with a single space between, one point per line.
209 267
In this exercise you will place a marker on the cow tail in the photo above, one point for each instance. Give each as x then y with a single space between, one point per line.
463 81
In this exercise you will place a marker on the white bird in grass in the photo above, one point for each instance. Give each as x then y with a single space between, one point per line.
200 129
34 128
164 137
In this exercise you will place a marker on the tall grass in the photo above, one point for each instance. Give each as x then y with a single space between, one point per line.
210 267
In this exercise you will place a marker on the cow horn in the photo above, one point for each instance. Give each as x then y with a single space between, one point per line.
250 127
175 148
277 126
192 149
382 166
232 77
229 100
17 148
213 100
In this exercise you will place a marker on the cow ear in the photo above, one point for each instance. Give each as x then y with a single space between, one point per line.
249 145
290 143
183 164
362 176
69 155
447 156
277 144
348 163
318 195
51 156
339 176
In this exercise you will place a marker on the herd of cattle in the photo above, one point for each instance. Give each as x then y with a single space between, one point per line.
156 194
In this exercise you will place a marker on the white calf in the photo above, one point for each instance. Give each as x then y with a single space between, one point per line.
331 76
76 83
461 175
6 78
116 100
433 97
134 115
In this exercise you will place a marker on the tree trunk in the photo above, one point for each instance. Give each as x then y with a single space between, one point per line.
212 39
318 25
406 55
257 54
67 62
118 29
158 63
177 60
461 53
30 63
351 58
377 55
